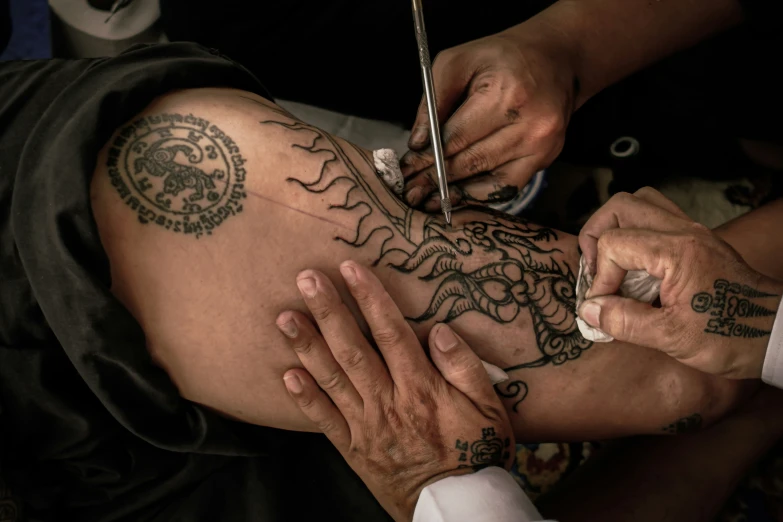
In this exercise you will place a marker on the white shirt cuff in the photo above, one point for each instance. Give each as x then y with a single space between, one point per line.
772 372
489 495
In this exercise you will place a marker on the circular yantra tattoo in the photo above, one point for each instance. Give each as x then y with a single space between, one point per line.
178 172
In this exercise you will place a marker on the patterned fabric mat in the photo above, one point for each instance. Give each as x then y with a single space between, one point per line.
759 497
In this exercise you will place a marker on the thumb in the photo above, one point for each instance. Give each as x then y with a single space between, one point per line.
460 366
629 320
450 82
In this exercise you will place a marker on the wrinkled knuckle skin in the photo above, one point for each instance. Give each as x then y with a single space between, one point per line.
325 426
607 239
322 312
306 402
473 161
673 332
456 138
332 382
354 360
306 346
388 336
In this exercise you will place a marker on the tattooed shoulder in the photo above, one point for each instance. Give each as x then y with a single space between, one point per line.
178 172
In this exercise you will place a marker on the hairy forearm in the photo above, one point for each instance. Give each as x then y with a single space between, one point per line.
606 40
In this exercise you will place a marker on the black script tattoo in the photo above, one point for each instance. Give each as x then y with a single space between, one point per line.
489 450
729 302
179 172
688 424
499 267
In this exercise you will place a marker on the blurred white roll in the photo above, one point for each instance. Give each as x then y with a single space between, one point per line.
87 33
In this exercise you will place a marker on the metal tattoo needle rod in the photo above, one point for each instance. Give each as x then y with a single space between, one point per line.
432 108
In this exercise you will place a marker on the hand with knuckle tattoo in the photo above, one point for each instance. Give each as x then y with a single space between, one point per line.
716 313
400 421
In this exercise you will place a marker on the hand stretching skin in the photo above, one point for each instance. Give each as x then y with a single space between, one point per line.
400 423
716 312
505 100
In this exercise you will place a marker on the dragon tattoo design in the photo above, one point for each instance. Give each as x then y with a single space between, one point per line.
500 267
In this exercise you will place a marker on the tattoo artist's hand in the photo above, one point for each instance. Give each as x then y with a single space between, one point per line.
716 312
506 101
400 422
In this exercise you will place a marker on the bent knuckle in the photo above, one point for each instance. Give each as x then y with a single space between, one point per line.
673 333
388 336
607 239
456 138
332 382
699 228
306 346
623 199
307 403
444 58
353 360
647 191
321 312
325 425
550 126
473 160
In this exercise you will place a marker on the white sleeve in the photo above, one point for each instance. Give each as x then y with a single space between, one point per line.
489 495
772 372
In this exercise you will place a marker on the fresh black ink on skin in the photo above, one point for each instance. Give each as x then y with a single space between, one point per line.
178 172
487 451
729 302
522 273
689 424
499 268
512 390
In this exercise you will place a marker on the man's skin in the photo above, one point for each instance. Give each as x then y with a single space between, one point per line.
670 479
208 304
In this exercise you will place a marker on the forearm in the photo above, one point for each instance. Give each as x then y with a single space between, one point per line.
670 479
754 236
606 40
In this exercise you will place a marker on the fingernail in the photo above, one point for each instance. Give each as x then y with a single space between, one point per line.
349 274
288 328
293 383
445 340
418 136
307 286
414 195
591 313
